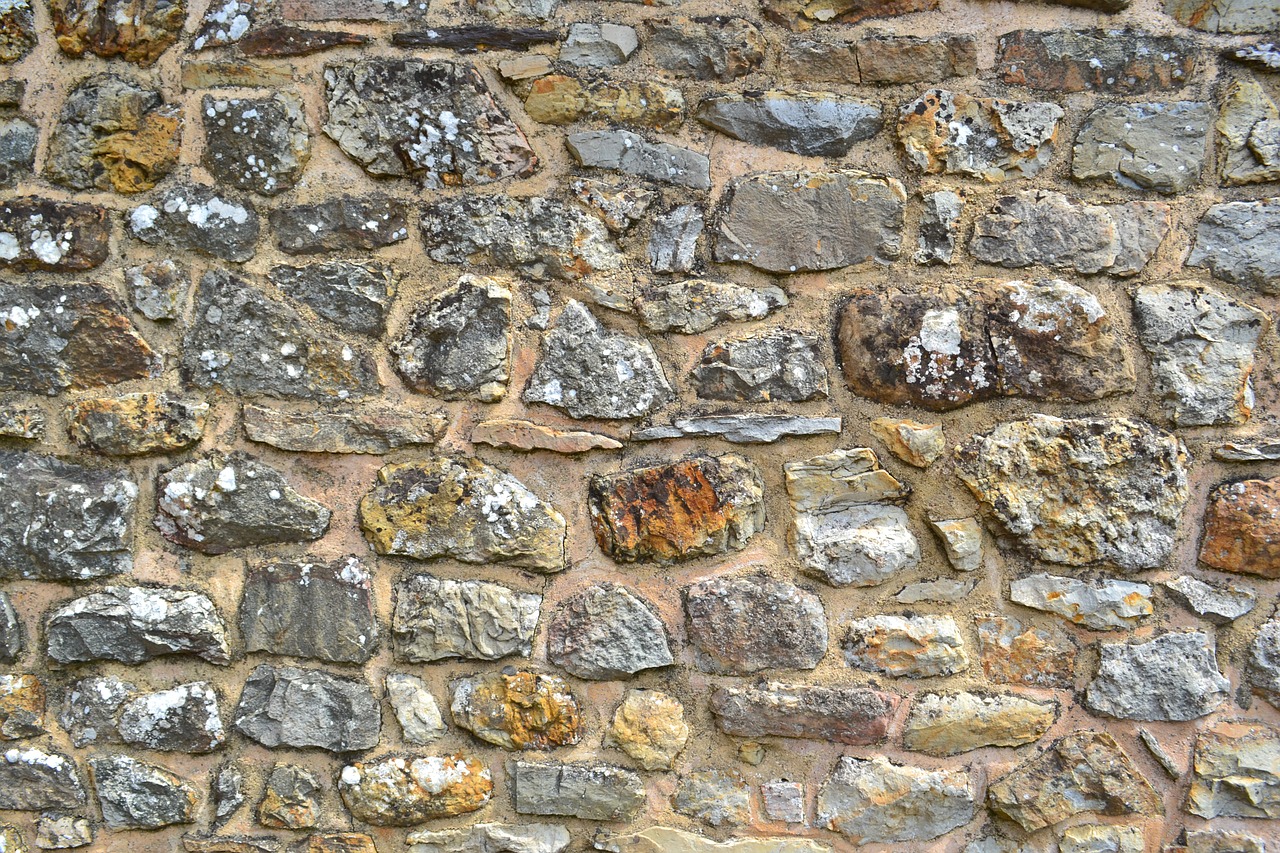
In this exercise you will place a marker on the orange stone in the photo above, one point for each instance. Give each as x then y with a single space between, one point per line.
1242 528
518 709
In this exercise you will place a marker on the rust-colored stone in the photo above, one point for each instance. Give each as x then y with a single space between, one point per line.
1095 61
803 14
294 41
136 160
137 30
557 99
1242 528
21 707
407 790
518 710
1036 657
136 423
340 842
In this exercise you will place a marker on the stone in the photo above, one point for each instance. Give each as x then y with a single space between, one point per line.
321 611
663 839
136 424
225 22
874 800
62 832
353 295
649 726
751 752
783 801
915 443
884 58
195 218
436 619
673 243
52 236
345 223
1244 16
518 709
906 646
1262 449
485 837
1104 604
605 632
1108 61
696 305
373 430
527 66
851 715
228 792
1157 146
291 799
415 708
1219 605
436 122
743 429
158 290
716 47
284 706
457 345
632 154
256 144
137 795
714 797
1102 839
1000 139
11 840
786 222
1172 677
352 10
21 422
63 521
939 226
132 624
470 38
542 237
18 139
1232 242
217 503
22 704
808 60
340 842
1222 841
952 723
91 709
601 45
461 508
284 40
840 480
1242 528
961 540
1263 670
137 31
1264 56
806 123
1234 772
17 31
585 791
1085 491
408 790
941 590
1035 657
1248 135
1159 753
236 74
34 780
856 546
517 434
742 625
184 718
11 633
782 365
560 99
1084 772
618 206
500 9
800 15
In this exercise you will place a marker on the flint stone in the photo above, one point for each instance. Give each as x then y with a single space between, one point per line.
52 236
800 15
1263 670
346 223
939 226
906 647
1248 129
457 344
1233 241
949 724
22 707
322 611
408 790
291 799
624 151
714 797
1158 147
1036 657
696 305
716 47
133 624
415 708
777 366
742 625
518 709
488 837
436 619
1173 677
368 430
1239 16
256 144
91 709
619 206
598 45
224 22
649 726
786 222
857 546
1102 605
137 31
945 132
1219 605
874 800
1114 62
158 290
743 429
1242 528
852 715
353 295
137 795
17 31
587 792
34 780
886 58
673 243
806 123
663 839
298 708
136 423
605 632
942 590
1234 772
560 100
11 633
181 719
190 217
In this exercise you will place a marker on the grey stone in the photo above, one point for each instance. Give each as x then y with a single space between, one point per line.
181 719
944 724
1157 147
742 625
437 618
855 546
228 792
592 371
193 218
673 244
1264 56
714 797
743 429
1234 771
1103 604
1159 753
34 780
353 295
322 611
696 305
1263 669
291 799
256 144
807 123
298 708
11 633
781 365
91 709
158 290
1106 61
1233 241
1239 16
415 708
433 121
631 153
62 521
18 138
906 646
877 801
715 47
137 795
457 344
217 503
63 832
132 624
539 10
783 801
588 792
1173 677
851 715
786 222
28 225
1248 135
1220 605
939 226
946 132
598 45
372 430
939 591
491 838
24 423
224 22
605 632
619 206
345 223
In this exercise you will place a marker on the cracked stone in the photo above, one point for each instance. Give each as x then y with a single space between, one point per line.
518 709
1241 16
945 132
913 442
875 800
436 619
673 243
1233 241
228 792
605 632
884 58
559 100
632 154
22 706
806 123
53 236
1220 605
1158 147
1248 129
290 707
939 227
714 797
184 718
132 624
1104 604
373 430
137 31
158 290
801 15
17 31
284 40
345 223
256 144
842 479
191 217
322 611
742 625
778 366
649 726
1173 677
952 723
1036 657
1242 528
905 646
851 715
34 780
1263 671
353 295
715 47
591 45
62 832
408 790
136 423
291 799
1095 61
1234 772
696 305
137 795
415 708
585 791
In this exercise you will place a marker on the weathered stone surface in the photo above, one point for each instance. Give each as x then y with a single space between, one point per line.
1087 490
1095 839
22 704
1220 605
714 797
34 780
436 619
606 632
840 480
1263 670
17 31
290 707
62 832
945 132
632 154
1223 841
11 840
1264 56
952 723
291 799
662 839
742 625
322 611
1233 242
486 837
715 47
1235 774
1173 677
235 74
1240 16
457 344
1119 62
802 14
781 365
939 226
874 800
1084 772
54 236
884 58
136 423
1248 135
352 10
807 123
559 99
649 726
408 790
747 428
415 708
913 442
12 640
1036 657
590 45
137 795
517 434
852 715
184 718
367 430
808 60
345 223
785 222
21 422
517 709
228 792
855 546
137 31
961 540
1242 528
618 205
1103 604
132 624
461 508
783 801
282 40
1157 147
18 139
696 305
433 121
673 243
158 290
91 709
353 295
191 217
906 646
941 590
589 792
224 22
256 144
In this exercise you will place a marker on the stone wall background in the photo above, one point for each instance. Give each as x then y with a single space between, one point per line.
1170 705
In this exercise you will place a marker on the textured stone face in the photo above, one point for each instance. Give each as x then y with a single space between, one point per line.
1102 604
1249 132
1232 241
528 838
673 243
948 724
1157 147
34 780
458 344
256 144
322 611
371 430
518 709
191 217
41 234
714 797
909 647
884 58
630 153
343 223
1173 677
743 625
137 795
136 423
706 48
355 296
409 790
158 290
559 99
415 708
1234 772
1241 16
290 799
1263 671
649 727
852 715
877 801
1094 61
22 703
1000 140
696 305
803 14
813 125
181 719
11 632
290 707
436 619
137 31
17 31
1242 528
605 632
135 624
589 792
783 366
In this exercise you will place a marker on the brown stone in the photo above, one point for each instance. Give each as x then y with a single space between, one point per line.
34 235
408 790
1236 771
852 715
809 61
911 441
135 30
803 14
1094 61
649 726
284 40
1242 528
517 434
22 704
557 99
518 709
1036 657
1003 139
340 842
910 59
743 625
17 31
206 74
136 423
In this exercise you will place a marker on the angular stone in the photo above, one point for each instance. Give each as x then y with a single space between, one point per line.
322 611
137 31
461 508
780 365
158 290
939 226
21 422
18 140
224 22
1222 841
1107 61
941 590
291 799
874 800
290 707
952 723
802 14
17 31
806 123
11 633
1220 605
913 442
585 791
53 236
696 305
630 153
516 434
436 619
945 132
353 295
433 121
1242 528
786 222
662 839
539 10
558 99
884 58
470 38
619 206
518 709
1173 677
784 801
91 709
352 10
591 45
1235 773
256 144
184 718
1263 670
812 61
1035 657
855 546
457 344
673 243
22 705
743 429
649 726
852 715
1263 57
1102 839
191 217
415 708
34 780
486 837
284 40
373 430
528 66
408 790
1081 491
1248 135
1082 773
1233 241
1103 604
714 797
961 540
236 74
742 625
228 792
906 647
136 423
137 795
1241 16
1262 449
345 223
134 624
62 832
840 480
605 632
1158 147
716 47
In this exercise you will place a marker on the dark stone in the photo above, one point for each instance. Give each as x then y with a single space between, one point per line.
158 290
291 799
1095 61
137 795
33 780
470 38
606 632
132 624
137 31
255 144
299 708
91 709
282 40
18 139
17 31
778 366
322 611
743 625
852 715
184 718
347 223
802 123
200 219
228 792
136 424
225 22
353 295
708 48
27 228
11 633
632 154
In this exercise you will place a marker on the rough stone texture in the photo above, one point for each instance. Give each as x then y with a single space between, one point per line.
742 625
649 727
906 647
436 618
939 228
884 58
714 797
137 795
256 144
559 99
415 708
1241 532
813 125
716 47
1241 16
137 31
802 14
948 724
877 801
673 243
136 423
12 638
743 429
408 790
18 139
1102 604
1095 61
353 295
22 704
598 45
191 217
1157 147
1232 242
605 633
915 443
34 780
322 611
662 839
1248 134
856 546
42 234
1036 657
181 719
17 31
632 154
135 624
343 223
62 832
486 837
290 799
1234 772
1088 839
518 709
1219 605
696 305
458 344
291 707
852 715
782 366
589 792
158 290
371 430
1263 671
1173 677
1000 139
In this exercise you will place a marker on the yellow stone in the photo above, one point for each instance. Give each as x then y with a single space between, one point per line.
649 726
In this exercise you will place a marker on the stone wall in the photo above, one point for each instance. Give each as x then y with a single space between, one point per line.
511 426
